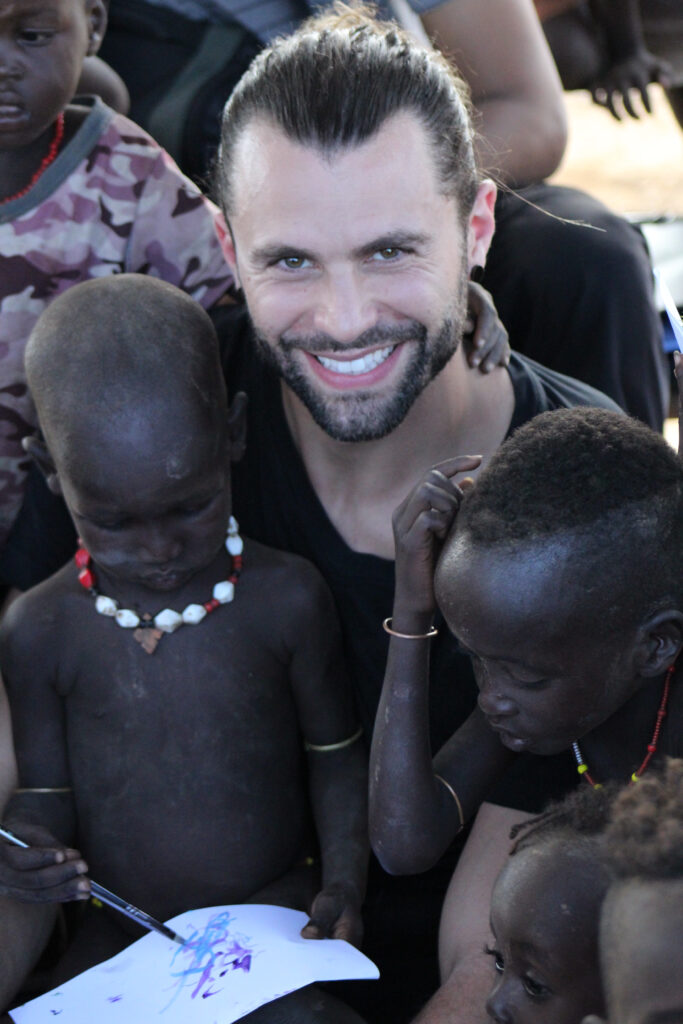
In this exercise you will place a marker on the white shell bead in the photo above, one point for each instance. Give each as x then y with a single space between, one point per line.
193 614
168 620
234 545
105 605
126 618
224 591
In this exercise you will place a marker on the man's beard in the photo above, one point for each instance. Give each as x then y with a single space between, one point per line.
357 415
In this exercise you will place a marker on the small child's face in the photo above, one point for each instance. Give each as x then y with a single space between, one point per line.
42 47
641 945
152 507
546 673
544 918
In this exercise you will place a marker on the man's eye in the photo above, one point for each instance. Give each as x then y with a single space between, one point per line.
294 262
390 252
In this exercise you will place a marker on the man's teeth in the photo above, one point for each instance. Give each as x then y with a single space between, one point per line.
356 366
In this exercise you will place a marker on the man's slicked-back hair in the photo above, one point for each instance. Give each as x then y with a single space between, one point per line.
334 83
606 481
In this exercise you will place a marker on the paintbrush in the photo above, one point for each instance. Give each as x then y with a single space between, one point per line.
110 898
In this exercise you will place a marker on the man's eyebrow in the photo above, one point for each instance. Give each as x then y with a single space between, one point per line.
390 240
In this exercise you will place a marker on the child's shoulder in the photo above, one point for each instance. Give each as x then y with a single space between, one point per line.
290 580
38 616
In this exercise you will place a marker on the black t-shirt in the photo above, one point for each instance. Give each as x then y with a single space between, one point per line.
275 503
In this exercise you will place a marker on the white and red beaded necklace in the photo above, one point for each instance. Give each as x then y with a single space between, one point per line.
149 629
582 767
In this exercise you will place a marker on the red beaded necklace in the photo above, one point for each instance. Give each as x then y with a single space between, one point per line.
582 767
49 158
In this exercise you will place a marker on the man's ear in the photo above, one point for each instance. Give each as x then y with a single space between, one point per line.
481 224
658 642
237 426
227 241
37 449
97 25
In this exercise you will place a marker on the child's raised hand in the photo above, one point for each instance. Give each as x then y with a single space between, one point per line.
335 914
45 872
627 78
420 524
486 340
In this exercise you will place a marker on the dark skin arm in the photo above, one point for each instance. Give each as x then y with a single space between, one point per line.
486 340
337 778
413 815
632 67
516 90
50 870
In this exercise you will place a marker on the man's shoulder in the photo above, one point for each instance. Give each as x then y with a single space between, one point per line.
538 389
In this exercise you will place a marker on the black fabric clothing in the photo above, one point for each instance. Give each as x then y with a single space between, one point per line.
579 298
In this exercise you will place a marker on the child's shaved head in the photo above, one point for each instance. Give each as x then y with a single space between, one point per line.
110 352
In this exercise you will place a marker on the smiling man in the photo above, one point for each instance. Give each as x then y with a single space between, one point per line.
356 213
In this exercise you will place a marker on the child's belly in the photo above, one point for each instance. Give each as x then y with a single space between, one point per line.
203 812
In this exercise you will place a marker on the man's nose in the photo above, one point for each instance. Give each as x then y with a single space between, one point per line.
344 309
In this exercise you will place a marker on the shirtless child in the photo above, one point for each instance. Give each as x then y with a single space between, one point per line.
173 760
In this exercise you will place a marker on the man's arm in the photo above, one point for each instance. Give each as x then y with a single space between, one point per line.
500 49
466 972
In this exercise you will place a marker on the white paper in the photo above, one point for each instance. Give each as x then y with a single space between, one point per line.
235 959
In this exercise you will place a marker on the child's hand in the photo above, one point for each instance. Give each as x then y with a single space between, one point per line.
678 373
486 340
632 75
335 914
46 872
421 523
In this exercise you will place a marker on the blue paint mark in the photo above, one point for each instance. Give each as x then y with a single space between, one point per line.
208 956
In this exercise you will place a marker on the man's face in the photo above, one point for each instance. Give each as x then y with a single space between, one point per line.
354 266
548 671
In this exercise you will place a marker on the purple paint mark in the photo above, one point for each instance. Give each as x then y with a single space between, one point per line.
208 956
114 999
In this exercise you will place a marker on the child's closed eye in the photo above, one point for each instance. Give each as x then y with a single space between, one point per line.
535 989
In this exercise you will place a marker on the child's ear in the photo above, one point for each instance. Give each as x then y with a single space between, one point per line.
37 449
659 642
97 24
237 426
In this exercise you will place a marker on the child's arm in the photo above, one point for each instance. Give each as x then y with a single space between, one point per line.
417 806
337 758
42 808
632 66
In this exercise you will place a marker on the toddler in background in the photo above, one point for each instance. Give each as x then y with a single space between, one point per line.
641 931
84 193
545 910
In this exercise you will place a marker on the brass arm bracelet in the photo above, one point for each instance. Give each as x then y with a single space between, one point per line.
433 631
44 789
456 798
328 748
